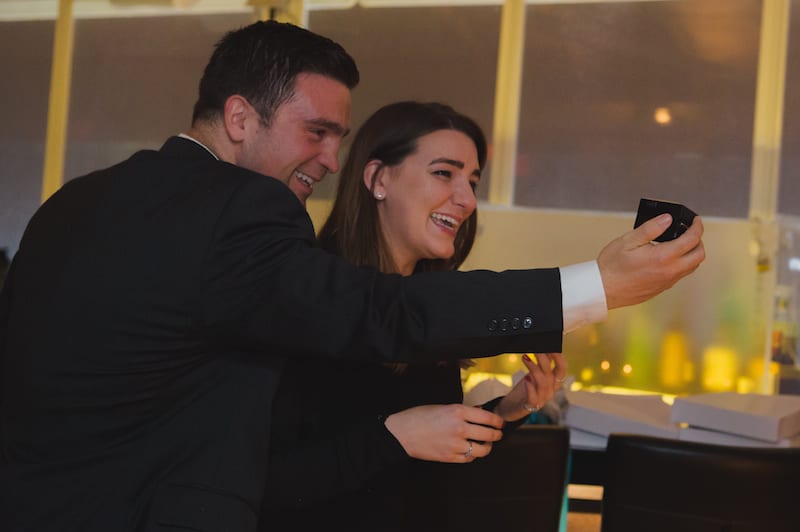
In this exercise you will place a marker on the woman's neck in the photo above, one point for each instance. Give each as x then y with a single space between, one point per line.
408 269
403 267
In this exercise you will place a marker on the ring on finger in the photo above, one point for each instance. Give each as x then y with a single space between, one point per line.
468 454
530 408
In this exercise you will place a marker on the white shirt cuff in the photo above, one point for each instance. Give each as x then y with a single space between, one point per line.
583 297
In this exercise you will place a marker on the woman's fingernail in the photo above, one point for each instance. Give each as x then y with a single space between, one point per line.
526 357
528 377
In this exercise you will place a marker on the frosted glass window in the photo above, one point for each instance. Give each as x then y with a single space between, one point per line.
625 100
446 54
25 61
789 191
134 83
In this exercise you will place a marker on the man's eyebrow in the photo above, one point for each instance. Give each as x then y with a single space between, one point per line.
330 125
457 164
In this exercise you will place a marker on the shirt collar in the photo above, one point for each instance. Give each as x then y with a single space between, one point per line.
187 137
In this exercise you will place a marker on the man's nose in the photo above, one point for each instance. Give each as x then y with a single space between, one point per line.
330 157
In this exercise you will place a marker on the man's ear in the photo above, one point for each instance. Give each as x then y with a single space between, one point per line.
373 178
237 113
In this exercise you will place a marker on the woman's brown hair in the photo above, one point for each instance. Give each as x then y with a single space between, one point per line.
352 230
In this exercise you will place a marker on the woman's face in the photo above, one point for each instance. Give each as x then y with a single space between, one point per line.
427 197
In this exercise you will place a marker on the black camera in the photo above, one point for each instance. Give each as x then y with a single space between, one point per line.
682 217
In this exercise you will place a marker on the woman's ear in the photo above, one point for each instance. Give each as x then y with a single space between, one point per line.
373 179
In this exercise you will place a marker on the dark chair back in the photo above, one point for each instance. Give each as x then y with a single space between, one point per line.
657 484
519 486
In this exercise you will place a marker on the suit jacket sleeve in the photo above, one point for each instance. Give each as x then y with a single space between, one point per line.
268 286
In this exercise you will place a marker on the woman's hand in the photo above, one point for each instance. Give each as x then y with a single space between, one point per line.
446 433
544 378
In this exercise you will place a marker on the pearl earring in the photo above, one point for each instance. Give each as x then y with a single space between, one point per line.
378 195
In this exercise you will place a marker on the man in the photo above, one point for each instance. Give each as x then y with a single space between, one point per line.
150 306
4 263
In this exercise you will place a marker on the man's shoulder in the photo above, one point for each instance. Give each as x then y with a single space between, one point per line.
181 169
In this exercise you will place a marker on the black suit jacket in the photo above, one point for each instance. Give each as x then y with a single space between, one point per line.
145 321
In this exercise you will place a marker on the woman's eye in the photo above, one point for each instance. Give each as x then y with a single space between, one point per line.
473 185
443 173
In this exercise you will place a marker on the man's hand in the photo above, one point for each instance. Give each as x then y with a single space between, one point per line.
634 269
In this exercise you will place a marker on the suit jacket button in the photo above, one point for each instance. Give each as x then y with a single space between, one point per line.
515 323
527 323
504 325
492 325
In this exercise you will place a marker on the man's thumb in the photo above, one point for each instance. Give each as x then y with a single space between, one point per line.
651 229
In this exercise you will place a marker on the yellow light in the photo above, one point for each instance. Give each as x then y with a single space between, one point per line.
587 374
662 116
605 365
627 369
473 378
673 359
745 385
720 366
688 371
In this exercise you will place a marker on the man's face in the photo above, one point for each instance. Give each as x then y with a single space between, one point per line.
301 145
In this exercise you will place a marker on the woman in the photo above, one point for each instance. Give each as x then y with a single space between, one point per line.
343 433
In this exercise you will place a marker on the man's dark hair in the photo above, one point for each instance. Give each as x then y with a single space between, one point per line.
261 62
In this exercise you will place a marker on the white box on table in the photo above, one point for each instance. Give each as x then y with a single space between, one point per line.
763 417
604 413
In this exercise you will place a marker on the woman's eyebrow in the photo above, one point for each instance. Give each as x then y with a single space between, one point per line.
453 162
457 164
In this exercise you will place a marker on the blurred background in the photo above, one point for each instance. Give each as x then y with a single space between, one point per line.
588 105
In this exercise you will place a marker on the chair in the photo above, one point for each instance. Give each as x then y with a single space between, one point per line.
657 484
519 486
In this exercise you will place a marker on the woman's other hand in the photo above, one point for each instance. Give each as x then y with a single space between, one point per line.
452 433
544 378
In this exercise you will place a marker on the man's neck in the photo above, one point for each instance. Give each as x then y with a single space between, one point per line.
211 139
